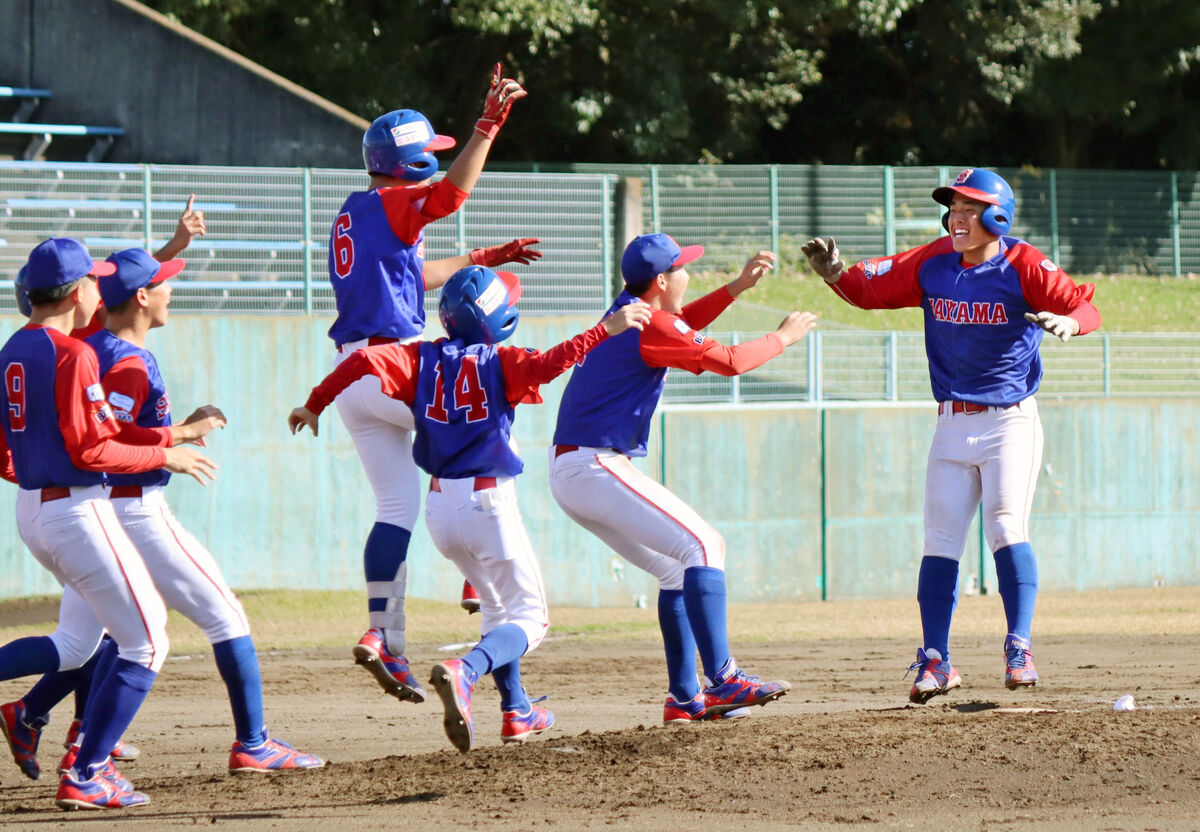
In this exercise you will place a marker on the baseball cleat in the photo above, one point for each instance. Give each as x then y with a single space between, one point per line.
101 792
693 710
733 690
449 679
517 727
73 734
392 672
935 676
470 598
22 739
271 755
1019 671
125 752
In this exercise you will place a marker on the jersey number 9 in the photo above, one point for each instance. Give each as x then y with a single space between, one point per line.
14 384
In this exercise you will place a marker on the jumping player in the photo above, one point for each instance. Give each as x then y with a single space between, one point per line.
604 421
463 391
137 298
988 297
58 439
379 277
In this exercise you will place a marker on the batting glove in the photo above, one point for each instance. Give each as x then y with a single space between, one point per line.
501 95
823 257
1063 326
518 251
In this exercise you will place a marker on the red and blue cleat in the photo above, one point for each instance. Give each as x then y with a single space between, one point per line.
106 790
518 727
470 598
22 738
1019 671
271 755
392 672
733 690
449 679
935 676
694 710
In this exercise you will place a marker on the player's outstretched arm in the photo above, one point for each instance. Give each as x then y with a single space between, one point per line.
824 258
437 272
795 327
502 94
191 462
630 316
191 224
1062 326
203 421
301 416
752 272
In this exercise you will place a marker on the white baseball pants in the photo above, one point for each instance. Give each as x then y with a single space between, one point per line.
483 534
639 518
994 456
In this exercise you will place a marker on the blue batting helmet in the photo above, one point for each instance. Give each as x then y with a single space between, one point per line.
22 293
401 144
984 186
479 306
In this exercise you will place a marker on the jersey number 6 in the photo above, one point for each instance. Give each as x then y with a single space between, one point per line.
343 247
468 393
14 384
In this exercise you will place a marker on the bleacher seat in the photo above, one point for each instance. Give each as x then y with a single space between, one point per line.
42 134
29 99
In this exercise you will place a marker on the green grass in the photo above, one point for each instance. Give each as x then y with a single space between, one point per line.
1126 303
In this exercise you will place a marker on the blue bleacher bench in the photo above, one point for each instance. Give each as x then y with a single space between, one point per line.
115 204
29 97
42 134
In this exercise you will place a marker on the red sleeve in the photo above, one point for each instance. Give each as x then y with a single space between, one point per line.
6 463
669 342
1047 288
889 282
87 422
394 364
526 370
409 210
127 386
703 311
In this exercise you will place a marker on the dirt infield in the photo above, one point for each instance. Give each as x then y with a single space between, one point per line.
842 749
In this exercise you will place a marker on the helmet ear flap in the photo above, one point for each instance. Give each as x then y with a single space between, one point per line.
996 220
946 221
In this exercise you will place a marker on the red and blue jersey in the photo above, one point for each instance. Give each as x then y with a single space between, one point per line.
979 345
462 397
612 394
137 397
377 259
462 413
57 425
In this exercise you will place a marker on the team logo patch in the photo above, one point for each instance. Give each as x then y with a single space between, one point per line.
964 176
698 339
885 266
413 133
95 393
489 299
1048 265
162 407
103 414
683 328
122 407
868 268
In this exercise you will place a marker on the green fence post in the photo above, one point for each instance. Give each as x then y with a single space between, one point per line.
1175 224
893 363
814 365
606 231
147 209
1107 346
824 517
460 229
774 210
1054 254
654 198
889 210
307 207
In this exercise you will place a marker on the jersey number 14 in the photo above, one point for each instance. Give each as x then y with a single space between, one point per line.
467 391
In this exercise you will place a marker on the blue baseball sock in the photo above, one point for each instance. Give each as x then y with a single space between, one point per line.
937 595
32 656
1017 575
117 699
384 565
508 681
679 643
704 599
101 663
53 688
496 649
238 665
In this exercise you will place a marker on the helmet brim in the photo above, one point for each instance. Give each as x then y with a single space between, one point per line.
946 193
440 142
513 284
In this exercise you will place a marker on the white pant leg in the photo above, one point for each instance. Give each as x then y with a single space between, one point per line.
78 633
482 533
80 540
639 518
183 571
952 486
381 428
1010 451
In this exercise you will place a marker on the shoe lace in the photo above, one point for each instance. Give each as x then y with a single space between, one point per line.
1017 657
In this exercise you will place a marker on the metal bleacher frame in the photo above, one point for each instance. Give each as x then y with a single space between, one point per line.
41 135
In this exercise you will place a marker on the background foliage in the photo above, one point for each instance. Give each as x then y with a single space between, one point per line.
1060 83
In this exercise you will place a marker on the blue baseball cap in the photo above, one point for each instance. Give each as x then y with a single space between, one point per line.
650 255
134 268
59 261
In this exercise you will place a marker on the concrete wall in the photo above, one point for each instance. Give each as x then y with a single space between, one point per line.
791 489
181 99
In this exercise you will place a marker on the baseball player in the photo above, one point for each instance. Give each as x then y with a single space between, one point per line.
379 277
137 298
462 391
604 422
58 439
988 297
